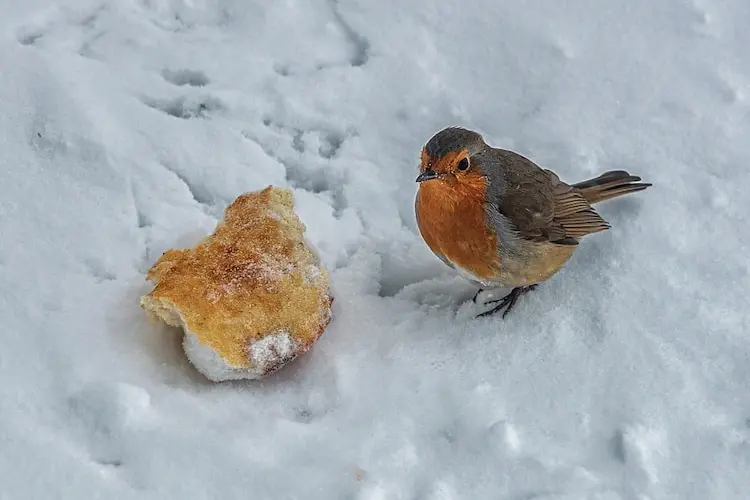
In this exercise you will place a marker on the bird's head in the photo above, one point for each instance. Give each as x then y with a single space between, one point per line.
451 162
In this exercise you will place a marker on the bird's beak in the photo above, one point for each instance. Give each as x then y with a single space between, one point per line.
427 175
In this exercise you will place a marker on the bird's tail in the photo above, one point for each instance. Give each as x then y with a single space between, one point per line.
610 185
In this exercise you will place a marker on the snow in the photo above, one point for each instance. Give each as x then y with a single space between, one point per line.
127 127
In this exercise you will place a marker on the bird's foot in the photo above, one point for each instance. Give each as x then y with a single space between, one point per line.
506 302
477 295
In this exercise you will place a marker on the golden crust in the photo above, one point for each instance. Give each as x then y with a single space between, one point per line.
255 276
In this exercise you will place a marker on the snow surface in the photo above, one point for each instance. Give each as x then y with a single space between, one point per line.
128 125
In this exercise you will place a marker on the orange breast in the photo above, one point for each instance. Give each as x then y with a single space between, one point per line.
452 222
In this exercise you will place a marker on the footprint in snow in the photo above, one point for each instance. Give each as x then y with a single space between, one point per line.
186 108
182 77
107 414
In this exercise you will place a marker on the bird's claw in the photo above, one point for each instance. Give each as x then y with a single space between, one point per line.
506 302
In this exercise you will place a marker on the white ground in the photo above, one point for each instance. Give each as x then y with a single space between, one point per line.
127 126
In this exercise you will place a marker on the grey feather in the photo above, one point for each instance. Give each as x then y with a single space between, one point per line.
453 139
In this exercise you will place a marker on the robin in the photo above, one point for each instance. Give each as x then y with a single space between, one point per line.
499 219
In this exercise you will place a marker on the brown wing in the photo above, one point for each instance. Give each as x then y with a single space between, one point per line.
574 214
538 204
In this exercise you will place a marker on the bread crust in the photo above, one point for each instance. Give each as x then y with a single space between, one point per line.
251 297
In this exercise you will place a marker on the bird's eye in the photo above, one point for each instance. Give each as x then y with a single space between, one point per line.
463 164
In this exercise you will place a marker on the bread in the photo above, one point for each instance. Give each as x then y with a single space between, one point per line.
250 297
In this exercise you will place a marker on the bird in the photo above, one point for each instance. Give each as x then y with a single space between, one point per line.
499 219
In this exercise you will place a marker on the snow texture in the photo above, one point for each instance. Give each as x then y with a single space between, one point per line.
128 125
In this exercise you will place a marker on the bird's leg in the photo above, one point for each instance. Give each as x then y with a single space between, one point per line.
508 301
477 295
